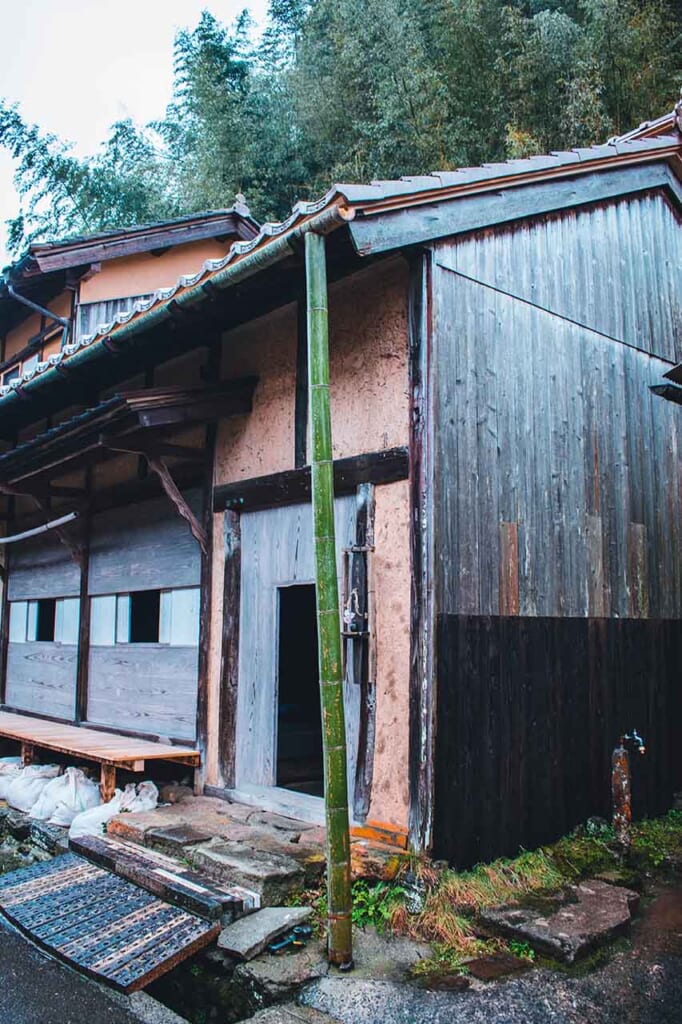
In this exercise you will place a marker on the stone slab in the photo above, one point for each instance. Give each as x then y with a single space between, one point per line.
273 875
593 914
249 936
496 965
274 979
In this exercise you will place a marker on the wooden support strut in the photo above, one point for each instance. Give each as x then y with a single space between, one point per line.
159 467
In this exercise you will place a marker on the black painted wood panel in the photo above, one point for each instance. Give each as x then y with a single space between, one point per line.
529 711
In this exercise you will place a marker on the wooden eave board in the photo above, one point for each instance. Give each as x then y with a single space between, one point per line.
91 744
100 924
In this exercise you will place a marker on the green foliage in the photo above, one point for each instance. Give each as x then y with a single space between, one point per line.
524 950
355 89
375 904
658 841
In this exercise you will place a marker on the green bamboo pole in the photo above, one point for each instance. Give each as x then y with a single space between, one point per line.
339 901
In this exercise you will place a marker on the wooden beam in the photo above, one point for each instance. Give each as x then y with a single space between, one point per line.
159 467
293 486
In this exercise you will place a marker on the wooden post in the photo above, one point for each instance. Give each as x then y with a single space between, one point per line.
4 623
107 782
339 900
81 708
212 371
27 754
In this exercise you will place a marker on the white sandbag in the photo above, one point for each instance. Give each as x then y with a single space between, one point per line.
24 791
53 792
146 799
10 769
79 796
92 822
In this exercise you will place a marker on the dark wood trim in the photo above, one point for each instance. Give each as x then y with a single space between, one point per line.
81 708
4 622
206 584
156 238
301 406
422 691
419 224
293 485
229 672
364 768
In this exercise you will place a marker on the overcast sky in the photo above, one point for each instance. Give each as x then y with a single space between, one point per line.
75 66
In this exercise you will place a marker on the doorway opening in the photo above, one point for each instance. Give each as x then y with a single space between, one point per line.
299 726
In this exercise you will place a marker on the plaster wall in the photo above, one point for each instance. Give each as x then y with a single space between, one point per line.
144 272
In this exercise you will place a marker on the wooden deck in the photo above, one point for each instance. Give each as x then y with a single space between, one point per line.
108 749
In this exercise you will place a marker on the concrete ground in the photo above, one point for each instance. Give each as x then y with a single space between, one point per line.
38 990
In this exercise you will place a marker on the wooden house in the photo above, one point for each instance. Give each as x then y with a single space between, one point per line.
508 502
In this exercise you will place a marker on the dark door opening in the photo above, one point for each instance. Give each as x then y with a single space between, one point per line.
145 609
299 727
47 611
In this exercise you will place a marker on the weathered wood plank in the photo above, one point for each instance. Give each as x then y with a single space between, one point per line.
148 688
143 547
42 568
529 711
509 569
293 486
41 677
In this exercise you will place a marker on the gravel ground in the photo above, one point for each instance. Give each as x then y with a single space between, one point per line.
640 984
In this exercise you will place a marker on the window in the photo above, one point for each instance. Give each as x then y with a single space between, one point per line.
145 606
146 617
47 620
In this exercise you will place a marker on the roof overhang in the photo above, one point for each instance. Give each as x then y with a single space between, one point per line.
379 218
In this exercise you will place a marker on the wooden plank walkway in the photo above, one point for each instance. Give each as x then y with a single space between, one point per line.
101 924
110 750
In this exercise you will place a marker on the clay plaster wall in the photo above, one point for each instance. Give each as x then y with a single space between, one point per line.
370 411
144 272
21 335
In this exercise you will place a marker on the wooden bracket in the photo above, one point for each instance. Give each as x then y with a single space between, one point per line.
136 445
159 467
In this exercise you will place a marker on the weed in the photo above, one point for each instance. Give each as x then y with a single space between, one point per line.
375 904
523 950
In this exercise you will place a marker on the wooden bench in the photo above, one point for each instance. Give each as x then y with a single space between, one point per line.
107 749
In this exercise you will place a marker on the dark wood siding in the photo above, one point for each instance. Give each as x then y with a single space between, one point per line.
558 512
43 568
529 710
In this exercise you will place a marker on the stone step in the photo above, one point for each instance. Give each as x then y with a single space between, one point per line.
168 878
246 938
587 916
273 875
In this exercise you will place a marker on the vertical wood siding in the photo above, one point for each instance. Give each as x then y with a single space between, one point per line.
549 428
529 710
558 512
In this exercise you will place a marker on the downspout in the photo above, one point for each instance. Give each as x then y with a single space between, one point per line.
339 899
66 324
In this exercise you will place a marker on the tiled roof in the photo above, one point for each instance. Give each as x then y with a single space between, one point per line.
358 199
